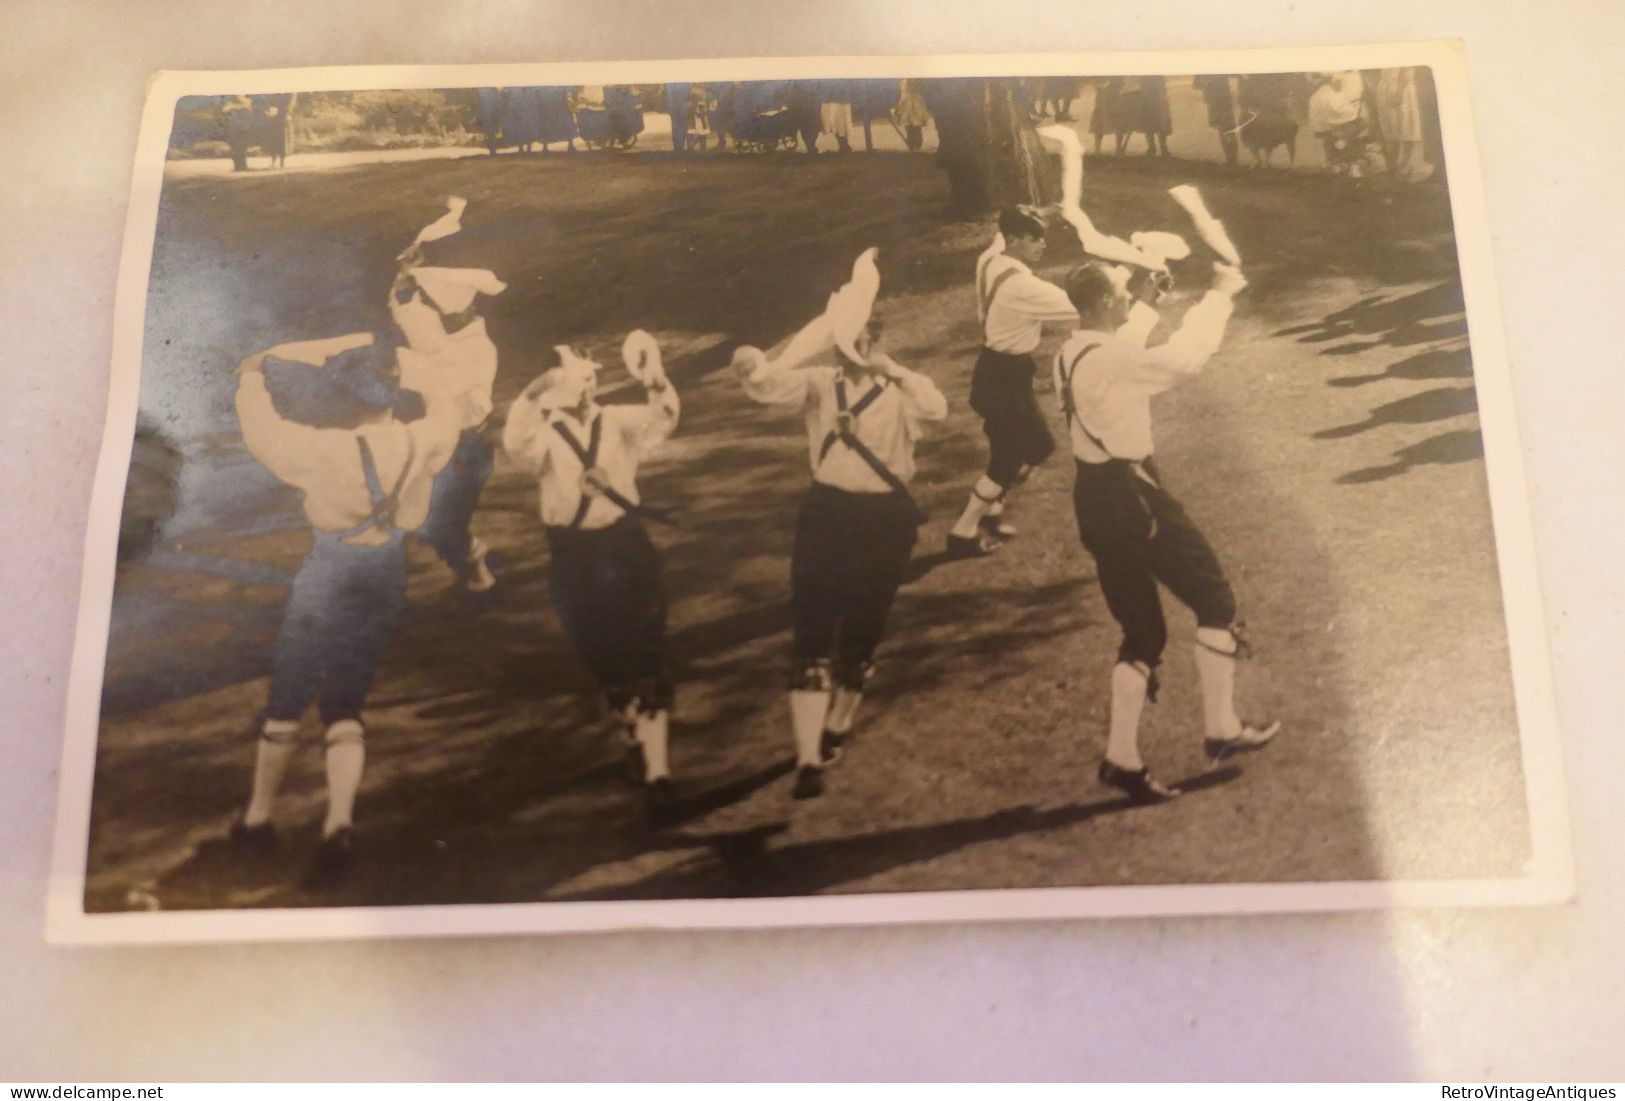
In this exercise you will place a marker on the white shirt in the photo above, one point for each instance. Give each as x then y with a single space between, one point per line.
1112 384
1336 104
889 425
457 369
325 463
628 434
1014 322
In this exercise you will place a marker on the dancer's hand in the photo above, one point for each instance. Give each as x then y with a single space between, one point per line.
1228 279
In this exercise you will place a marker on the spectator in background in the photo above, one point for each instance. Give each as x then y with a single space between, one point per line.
1059 92
911 114
1335 118
521 113
488 117
1103 119
1142 107
806 115
677 108
835 112
1399 119
554 119
1427 98
1221 113
699 115
723 103
1156 117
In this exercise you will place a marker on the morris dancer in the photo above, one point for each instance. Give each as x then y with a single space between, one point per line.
857 524
366 476
1013 306
1137 532
451 359
604 575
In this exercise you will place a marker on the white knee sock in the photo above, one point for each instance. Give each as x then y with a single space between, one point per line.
1216 662
271 756
1129 682
843 708
346 756
480 578
808 709
983 496
652 732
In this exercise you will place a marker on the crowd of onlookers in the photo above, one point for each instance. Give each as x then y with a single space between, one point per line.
1381 122
761 115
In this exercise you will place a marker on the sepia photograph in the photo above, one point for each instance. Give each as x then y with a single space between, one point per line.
763 492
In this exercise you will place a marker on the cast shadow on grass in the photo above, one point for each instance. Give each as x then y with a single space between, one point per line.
1440 403
1433 365
746 864
1434 313
1460 446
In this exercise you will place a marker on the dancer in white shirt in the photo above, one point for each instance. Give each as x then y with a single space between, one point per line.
451 359
604 573
857 524
1139 535
366 474
1013 306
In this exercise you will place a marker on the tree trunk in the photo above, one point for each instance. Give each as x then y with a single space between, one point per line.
988 146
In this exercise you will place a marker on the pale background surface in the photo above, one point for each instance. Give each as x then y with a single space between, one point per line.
1455 995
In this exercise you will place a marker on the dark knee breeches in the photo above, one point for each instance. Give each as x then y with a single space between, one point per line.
337 624
607 590
850 553
1140 536
1001 392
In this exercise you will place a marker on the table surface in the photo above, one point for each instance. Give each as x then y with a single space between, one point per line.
1509 995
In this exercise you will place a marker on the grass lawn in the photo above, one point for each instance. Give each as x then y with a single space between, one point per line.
1330 451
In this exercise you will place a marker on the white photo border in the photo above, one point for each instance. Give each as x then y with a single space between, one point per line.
1549 877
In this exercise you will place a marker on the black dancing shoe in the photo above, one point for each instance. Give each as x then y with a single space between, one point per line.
1137 784
979 545
333 858
255 840
660 796
1253 737
831 746
995 527
633 765
809 782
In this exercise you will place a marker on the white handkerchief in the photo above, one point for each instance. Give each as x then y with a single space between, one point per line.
445 225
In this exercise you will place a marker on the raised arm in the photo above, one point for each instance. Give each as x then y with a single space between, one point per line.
286 448
921 399
783 380
522 435
651 426
1193 344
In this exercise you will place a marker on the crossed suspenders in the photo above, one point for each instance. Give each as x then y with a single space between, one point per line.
845 431
384 504
594 483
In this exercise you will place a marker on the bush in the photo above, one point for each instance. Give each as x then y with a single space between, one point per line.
341 121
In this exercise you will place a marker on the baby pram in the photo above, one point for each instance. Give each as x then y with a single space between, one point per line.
1352 150
763 131
756 116
615 125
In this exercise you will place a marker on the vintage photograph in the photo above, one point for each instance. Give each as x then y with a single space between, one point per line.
776 493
